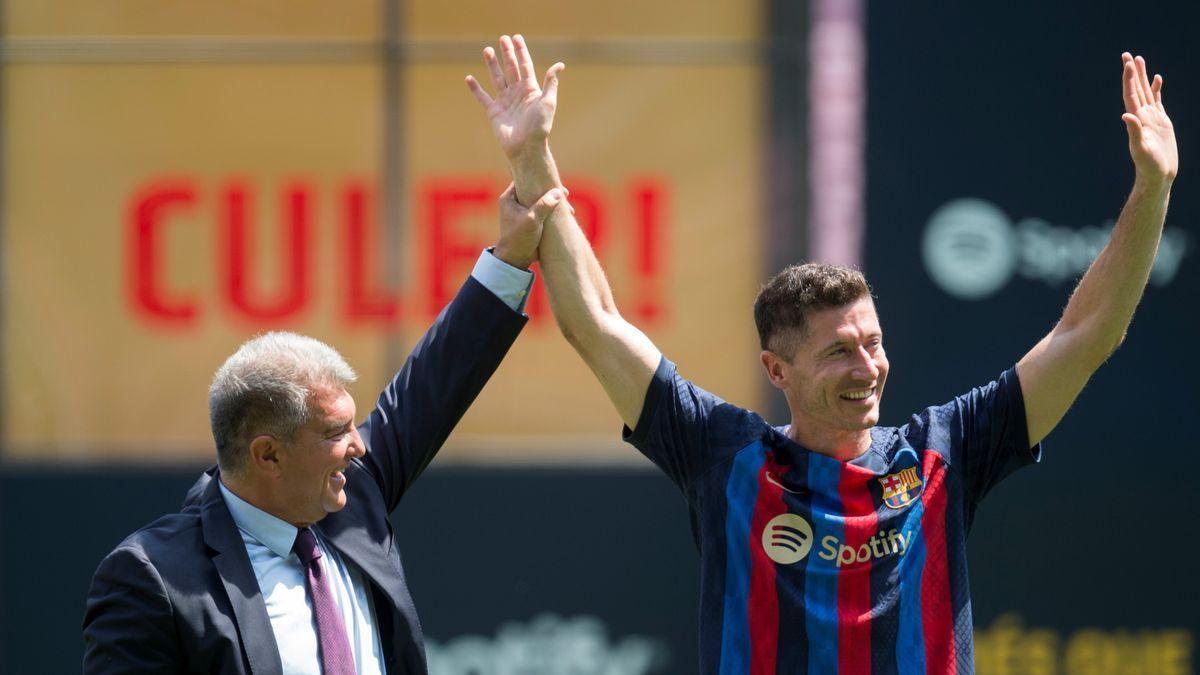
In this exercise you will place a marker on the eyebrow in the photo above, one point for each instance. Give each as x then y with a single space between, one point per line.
838 343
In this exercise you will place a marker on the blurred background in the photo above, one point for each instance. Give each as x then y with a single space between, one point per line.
178 176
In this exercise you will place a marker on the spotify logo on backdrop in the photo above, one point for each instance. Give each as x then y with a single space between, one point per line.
969 248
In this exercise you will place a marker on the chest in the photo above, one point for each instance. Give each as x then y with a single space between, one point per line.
823 517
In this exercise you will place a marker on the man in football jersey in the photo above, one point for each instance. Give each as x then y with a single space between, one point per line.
832 544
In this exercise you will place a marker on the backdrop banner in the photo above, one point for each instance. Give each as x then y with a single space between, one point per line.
997 166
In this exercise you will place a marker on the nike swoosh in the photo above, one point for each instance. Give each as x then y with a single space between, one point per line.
772 481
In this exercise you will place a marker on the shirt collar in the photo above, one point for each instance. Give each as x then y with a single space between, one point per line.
277 535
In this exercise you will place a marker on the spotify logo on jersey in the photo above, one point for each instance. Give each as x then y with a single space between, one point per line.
787 538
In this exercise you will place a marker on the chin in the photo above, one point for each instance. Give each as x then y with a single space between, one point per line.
868 420
335 503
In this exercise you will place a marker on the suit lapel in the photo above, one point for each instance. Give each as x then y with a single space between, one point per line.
365 542
350 535
233 566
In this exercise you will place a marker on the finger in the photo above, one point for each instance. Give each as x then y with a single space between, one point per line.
480 94
1130 92
550 83
1156 87
566 196
509 201
542 208
1133 125
524 61
1144 81
508 60
489 57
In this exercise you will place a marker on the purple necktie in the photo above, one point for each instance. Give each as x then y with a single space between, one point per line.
336 657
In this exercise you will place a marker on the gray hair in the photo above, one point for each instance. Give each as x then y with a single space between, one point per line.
264 388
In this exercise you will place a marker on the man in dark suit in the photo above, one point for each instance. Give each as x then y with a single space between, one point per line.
282 558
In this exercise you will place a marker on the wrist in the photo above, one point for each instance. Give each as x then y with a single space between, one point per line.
1152 186
511 256
534 174
530 154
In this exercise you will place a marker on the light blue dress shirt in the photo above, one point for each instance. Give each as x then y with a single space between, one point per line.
280 575
281 579
508 283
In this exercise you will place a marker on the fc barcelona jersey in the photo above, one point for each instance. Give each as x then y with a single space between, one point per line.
813 565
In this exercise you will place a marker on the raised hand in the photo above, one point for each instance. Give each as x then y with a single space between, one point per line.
522 113
521 227
1151 135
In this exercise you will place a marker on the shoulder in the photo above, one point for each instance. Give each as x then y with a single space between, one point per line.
163 532
734 429
167 542
932 429
674 397
942 423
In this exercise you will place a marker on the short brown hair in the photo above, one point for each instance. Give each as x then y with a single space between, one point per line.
784 303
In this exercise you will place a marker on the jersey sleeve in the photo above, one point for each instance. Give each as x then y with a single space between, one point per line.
678 425
984 435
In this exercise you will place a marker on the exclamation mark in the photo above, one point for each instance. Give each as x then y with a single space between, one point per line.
648 200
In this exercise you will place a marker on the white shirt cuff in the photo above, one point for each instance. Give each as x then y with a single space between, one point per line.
506 282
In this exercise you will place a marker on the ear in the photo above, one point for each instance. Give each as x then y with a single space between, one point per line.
264 455
774 365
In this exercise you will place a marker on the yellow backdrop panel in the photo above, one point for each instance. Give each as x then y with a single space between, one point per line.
127 187
584 19
87 370
111 18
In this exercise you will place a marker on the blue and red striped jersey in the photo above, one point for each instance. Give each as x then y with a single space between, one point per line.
813 565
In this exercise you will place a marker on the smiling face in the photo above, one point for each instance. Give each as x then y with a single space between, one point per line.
311 479
835 378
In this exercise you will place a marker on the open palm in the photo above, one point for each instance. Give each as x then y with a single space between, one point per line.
1151 135
521 113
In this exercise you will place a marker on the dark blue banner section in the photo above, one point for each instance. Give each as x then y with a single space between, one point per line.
997 166
590 572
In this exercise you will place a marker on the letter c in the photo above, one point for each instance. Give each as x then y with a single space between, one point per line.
144 246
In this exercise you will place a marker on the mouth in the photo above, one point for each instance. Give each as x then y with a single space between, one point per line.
337 479
859 396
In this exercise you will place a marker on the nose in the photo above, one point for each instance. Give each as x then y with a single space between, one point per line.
357 447
865 365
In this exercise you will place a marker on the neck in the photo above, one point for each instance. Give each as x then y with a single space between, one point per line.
249 493
839 444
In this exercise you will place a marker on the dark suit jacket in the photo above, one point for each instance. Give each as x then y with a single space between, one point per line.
179 595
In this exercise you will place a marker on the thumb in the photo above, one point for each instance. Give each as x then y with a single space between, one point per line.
1133 125
542 208
550 83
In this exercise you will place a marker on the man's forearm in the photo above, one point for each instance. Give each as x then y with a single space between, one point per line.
621 356
576 283
1102 306
534 173
580 295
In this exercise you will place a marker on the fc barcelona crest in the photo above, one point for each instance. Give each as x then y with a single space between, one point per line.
900 489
